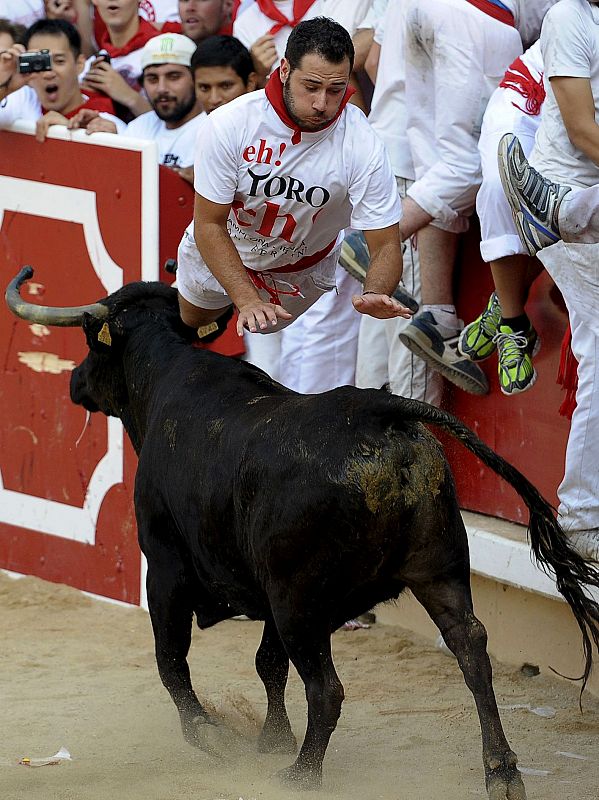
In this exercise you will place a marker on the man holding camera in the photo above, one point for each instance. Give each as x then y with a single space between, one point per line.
40 81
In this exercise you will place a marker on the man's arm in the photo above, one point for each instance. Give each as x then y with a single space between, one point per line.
372 61
222 259
577 107
384 273
10 79
104 78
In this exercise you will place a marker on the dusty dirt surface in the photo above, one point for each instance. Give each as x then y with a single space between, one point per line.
80 673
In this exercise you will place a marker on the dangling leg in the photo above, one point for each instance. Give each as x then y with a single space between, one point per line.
272 665
449 604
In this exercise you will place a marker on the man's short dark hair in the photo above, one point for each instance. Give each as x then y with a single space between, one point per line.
56 27
14 30
224 51
322 36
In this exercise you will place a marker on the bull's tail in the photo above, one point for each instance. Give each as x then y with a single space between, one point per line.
549 543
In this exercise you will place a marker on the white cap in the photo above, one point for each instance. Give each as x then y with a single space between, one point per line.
168 48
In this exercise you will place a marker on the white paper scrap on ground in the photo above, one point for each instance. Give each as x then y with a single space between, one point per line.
62 755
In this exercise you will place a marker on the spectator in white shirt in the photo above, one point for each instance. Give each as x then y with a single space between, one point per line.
52 96
176 114
265 27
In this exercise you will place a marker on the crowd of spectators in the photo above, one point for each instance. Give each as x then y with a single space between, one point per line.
441 81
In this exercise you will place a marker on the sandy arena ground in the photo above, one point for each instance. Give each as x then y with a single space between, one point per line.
80 673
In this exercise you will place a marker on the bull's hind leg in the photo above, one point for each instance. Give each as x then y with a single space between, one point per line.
450 607
170 603
308 643
272 665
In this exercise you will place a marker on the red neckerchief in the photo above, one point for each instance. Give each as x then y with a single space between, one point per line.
274 93
497 12
145 32
97 102
270 10
172 27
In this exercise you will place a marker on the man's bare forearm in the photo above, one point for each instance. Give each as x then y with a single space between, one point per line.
585 137
575 100
385 270
222 259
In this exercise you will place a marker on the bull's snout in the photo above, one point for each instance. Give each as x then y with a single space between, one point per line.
78 390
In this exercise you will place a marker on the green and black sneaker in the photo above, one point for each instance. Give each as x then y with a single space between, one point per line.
477 340
515 351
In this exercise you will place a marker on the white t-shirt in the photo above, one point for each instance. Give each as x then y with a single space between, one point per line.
388 114
24 104
528 17
176 146
374 15
23 12
253 24
159 10
533 58
349 13
570 47
290 201
128 67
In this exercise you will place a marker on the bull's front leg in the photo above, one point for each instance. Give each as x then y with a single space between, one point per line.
171 610
272 665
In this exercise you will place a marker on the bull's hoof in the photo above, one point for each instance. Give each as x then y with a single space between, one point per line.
202 732
301 778
505 782
277 740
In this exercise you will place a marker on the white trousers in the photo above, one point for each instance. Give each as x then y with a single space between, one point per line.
579 490
499 237
456 55
574 266
382 358
573 262
317 352
579 216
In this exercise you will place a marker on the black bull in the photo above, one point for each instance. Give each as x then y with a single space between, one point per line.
302 511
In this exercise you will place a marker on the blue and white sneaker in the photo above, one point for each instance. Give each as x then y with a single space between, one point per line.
534 200
355 259
438 346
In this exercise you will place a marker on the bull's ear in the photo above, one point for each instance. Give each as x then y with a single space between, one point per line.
98 333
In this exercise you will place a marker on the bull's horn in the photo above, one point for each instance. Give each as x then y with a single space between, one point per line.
47 315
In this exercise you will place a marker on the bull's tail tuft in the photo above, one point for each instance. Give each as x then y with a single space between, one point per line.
549 543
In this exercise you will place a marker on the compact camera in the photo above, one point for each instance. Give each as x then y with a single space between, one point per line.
35 61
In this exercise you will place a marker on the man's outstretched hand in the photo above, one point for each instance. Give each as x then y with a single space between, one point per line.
380 306
260 315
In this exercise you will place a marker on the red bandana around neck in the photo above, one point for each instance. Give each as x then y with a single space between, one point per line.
145 32
97 102
270 10
274 93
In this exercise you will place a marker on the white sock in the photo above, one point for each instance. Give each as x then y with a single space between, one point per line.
444 315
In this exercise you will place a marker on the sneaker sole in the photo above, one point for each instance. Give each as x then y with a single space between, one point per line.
359 273
461 380
528 386
503 154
